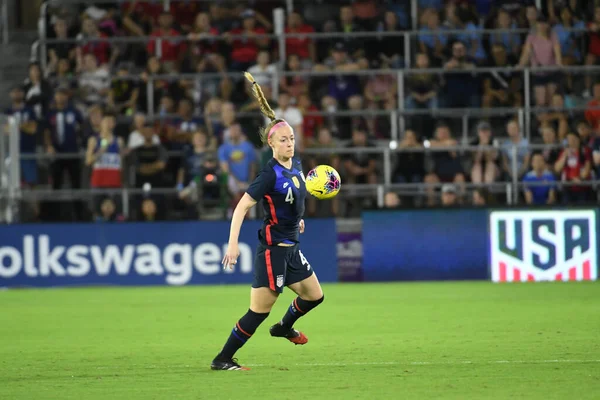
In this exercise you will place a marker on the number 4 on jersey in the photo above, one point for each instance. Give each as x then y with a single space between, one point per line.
289 197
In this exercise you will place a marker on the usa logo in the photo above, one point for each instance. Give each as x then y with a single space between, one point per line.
543 245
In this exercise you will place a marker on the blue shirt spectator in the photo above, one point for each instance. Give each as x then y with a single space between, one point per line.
238 156
541 189
568 39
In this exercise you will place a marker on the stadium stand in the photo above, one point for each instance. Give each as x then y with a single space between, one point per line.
417 104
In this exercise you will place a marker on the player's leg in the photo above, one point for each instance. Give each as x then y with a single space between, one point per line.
269 263
303 281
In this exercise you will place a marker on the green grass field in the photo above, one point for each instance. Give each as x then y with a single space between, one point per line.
367 341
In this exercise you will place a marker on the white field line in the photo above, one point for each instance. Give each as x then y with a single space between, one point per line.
376 363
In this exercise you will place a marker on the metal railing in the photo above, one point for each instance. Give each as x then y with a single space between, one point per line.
386 159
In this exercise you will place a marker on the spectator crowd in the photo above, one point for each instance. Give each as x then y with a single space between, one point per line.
152 98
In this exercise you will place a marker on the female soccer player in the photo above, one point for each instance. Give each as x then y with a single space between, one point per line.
279 261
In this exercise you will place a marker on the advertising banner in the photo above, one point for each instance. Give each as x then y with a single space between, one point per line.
350 253
435 244
545 245
169 253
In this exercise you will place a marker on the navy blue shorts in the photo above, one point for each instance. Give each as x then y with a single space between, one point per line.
277 266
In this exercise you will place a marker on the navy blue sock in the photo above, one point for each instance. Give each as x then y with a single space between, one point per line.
241 332
298 308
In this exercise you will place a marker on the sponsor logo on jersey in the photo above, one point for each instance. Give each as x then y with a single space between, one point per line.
279 280
543 245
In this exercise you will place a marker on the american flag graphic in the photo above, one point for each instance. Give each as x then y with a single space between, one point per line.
564 241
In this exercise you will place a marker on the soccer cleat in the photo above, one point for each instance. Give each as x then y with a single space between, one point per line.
292 335
227 365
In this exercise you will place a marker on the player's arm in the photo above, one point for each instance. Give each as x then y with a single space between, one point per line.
256 191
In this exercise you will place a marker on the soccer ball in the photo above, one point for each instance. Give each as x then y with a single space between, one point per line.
323 182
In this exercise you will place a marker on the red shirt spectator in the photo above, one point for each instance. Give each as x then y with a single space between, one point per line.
170 49
592 113
245 50
100 49
594 34
203 36
311 123
300 46
185 13
574 163
145 8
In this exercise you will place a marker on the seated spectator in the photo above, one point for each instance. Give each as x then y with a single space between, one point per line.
360 167
557 117
539 183
447 165
63 77
171 51
61 51
293 116
422 87
347 23
159 87
310 123
574 165
501 88
486 162
302 47
570 41
449 195
550 152
593 51
586 134
297 84
94 82
410 166
592 113
388 50
124 92
245 51
238 160
461 87
149 211
108 212
391 200
482 197
136 137
324 140
339 86
101 50
381 89
432 40
542 49
511 42
193 167
263 72
515 139
459 19
181 128
203 38
149 161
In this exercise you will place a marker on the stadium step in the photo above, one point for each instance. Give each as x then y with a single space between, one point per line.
14 59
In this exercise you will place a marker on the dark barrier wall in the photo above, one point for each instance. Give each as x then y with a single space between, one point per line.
501 245
425 245
143 254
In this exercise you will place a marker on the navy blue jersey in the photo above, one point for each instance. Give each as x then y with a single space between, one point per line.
25 114
64 125
283 192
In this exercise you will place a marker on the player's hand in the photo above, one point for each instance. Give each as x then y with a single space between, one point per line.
301 226
231 256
